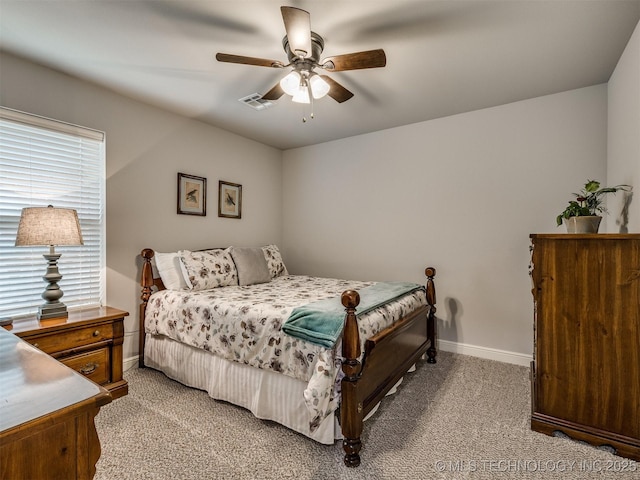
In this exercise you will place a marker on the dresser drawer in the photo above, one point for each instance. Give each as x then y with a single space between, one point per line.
70 339
93 365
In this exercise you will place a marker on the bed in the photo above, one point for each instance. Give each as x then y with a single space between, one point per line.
221 316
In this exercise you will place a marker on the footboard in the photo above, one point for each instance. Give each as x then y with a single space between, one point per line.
387 357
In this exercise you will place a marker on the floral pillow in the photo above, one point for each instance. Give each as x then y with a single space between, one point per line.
274 261
208 269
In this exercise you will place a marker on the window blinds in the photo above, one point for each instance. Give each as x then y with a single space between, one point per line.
45 162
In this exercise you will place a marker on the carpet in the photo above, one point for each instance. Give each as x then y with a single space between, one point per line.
463 418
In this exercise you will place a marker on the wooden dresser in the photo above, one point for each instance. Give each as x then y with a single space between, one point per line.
89 341
47 413
586 368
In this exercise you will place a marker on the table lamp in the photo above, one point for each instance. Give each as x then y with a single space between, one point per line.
41 226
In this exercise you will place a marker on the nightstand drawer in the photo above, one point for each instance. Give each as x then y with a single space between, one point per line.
89 340
70 339
93 365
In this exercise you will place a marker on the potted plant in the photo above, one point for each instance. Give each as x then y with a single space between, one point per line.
581 215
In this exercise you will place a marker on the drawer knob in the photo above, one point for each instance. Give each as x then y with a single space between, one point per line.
96 333
89 368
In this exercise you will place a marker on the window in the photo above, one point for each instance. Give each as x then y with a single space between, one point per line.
46 162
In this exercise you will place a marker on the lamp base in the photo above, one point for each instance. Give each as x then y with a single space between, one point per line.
53 310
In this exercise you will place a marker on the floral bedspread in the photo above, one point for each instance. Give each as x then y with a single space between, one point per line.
244 324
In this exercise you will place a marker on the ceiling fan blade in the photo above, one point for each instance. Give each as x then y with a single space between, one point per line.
275 93
297 23
355 61
337 91
260 62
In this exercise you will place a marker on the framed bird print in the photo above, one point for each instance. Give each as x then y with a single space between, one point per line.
229 200
192 195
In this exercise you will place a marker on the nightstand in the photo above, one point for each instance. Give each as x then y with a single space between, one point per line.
88 341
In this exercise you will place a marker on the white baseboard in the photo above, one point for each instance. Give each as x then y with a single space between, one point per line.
128 363
484 352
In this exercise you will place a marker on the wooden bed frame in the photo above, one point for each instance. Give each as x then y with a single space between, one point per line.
387 357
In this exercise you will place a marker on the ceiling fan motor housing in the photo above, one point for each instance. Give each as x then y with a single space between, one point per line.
313 57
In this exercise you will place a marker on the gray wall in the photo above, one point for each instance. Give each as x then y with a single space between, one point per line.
461 194
146 148
623 152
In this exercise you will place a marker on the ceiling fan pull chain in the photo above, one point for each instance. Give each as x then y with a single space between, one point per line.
304 83
310 94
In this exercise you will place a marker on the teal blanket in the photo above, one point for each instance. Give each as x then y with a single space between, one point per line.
321 322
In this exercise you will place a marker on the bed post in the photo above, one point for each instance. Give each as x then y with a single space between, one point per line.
430 272
351 412
147 283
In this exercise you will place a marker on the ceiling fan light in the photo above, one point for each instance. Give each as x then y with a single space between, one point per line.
319 88
291 83
301 96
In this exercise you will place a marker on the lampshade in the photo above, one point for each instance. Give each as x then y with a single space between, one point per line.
319 87
301 96
48 226
291 83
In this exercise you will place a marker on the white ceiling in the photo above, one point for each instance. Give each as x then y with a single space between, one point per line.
443 56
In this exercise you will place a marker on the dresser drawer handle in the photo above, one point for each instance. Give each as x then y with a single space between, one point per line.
36 345
96 333
89 368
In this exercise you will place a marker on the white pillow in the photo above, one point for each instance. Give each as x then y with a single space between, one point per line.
169 268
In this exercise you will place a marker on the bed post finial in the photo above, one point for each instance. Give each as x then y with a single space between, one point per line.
350 337
430 272
146 282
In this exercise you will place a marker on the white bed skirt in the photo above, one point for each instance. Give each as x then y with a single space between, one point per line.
266 394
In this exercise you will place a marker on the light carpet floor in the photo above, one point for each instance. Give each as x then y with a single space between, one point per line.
461 418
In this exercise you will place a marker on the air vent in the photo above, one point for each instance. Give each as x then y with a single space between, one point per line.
256 101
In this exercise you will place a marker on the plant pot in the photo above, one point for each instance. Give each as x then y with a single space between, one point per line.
585 224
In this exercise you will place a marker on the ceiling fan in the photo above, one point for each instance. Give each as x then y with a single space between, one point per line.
303 48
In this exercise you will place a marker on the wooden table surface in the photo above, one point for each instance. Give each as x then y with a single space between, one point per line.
34 384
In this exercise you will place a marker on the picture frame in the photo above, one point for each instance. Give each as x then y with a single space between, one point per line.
229 199
192 195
